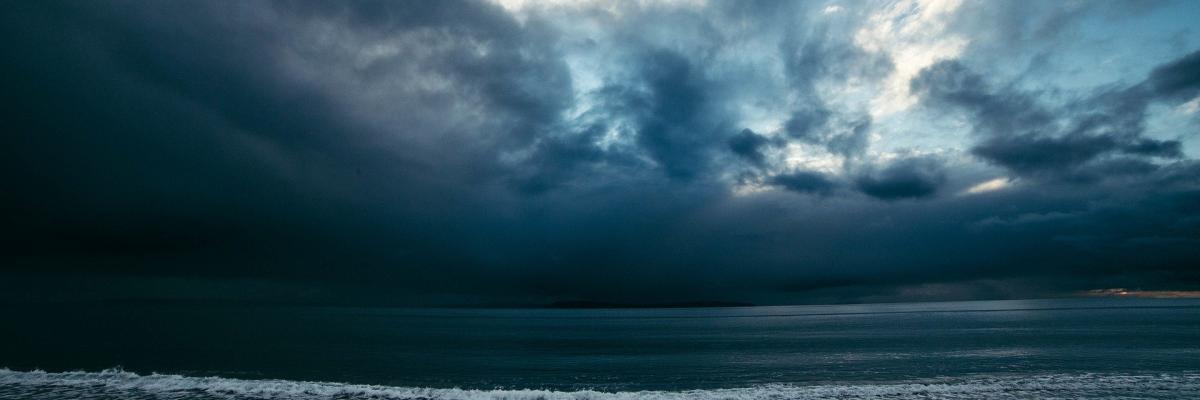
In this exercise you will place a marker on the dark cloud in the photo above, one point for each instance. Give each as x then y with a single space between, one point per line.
994 112
804 182
1178 80
1020 132
908 178
1032 153
260 169
1154 148
557 160
803 124
450 152
749 146
670 110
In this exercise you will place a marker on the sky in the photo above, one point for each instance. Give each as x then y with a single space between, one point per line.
523 152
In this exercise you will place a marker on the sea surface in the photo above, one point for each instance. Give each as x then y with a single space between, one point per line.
1069 348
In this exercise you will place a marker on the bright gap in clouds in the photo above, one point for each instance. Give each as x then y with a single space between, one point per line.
991 185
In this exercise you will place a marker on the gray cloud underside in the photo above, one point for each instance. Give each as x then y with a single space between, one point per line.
443 152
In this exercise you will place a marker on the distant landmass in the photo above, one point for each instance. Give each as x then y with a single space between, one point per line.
685 304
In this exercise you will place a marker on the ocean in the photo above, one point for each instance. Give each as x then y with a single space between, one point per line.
1064 348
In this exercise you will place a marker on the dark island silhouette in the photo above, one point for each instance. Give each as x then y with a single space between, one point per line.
578 304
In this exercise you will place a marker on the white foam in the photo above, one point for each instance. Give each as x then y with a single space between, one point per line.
115 383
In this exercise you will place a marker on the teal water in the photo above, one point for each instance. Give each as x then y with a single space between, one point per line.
1116 348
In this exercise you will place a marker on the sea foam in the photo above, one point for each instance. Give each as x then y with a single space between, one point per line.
118 384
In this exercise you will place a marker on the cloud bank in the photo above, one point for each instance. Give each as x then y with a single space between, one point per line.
469 152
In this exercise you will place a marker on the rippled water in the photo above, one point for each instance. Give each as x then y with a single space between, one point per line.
1079 348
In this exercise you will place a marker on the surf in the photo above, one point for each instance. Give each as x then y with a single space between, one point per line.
120 384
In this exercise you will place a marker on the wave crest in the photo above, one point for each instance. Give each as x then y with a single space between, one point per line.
117 383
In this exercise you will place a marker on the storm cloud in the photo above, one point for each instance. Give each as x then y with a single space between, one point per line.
474 152
1019 133
906 178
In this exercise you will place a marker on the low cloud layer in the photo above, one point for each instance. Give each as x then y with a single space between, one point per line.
470 152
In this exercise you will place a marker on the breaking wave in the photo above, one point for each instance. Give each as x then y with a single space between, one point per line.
118 384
